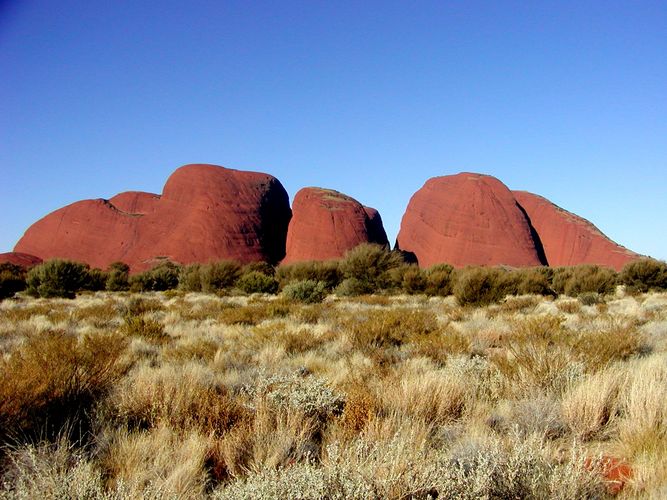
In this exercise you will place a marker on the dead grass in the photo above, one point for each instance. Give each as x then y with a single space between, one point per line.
192 395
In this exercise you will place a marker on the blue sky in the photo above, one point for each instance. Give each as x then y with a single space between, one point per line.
564 99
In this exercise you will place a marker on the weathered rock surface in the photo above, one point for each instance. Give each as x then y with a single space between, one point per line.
568 239
23 260
205 213
467 219
326 224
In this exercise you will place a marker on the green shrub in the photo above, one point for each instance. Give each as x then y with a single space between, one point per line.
370 264
308 291
218 276
534 281
478 286
327 272
162 277
95 281
351 287
439 280
12 279
590 279
644 275
57 278
256 282
189 278
117 277
414 280
260 267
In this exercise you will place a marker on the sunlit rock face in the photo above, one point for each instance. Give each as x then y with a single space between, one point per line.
326 224
205 213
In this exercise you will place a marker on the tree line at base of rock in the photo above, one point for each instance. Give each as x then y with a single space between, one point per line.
366 269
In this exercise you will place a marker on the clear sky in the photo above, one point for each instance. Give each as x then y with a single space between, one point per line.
567 99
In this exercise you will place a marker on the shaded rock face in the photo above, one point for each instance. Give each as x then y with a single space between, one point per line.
326 224
205 213
467 219
568 239
23 260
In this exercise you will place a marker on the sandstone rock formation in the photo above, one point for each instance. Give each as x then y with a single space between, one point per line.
205 213
467 219
568 239
23 260
325 224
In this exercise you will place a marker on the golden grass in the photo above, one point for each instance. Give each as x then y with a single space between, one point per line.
191 395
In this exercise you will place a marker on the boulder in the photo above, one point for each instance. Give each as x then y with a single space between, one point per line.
467 219
325 224
568 239
205 213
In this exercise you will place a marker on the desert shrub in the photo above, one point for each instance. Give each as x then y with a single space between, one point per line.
117 277
327 272
439 280
576 280
52 471
308 291
57 278
644 275
182 397
256 282
189 278
386 328
162 277
54 381
218 276
351 287
534 281
414 281
370 264
308 395
12 279
95 280
478 286
259 267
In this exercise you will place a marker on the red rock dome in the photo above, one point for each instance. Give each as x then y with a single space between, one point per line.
23 260
467 219
206 213
326 224
568 239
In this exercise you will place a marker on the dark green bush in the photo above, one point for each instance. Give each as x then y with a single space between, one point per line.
307 291
57 278
644 275
351 287
585 278
189 278
534 281
162 277
327 272
12 279
117 277
95 281
439 280
414 280
370 264
256 282
260 267
479 285
218 276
